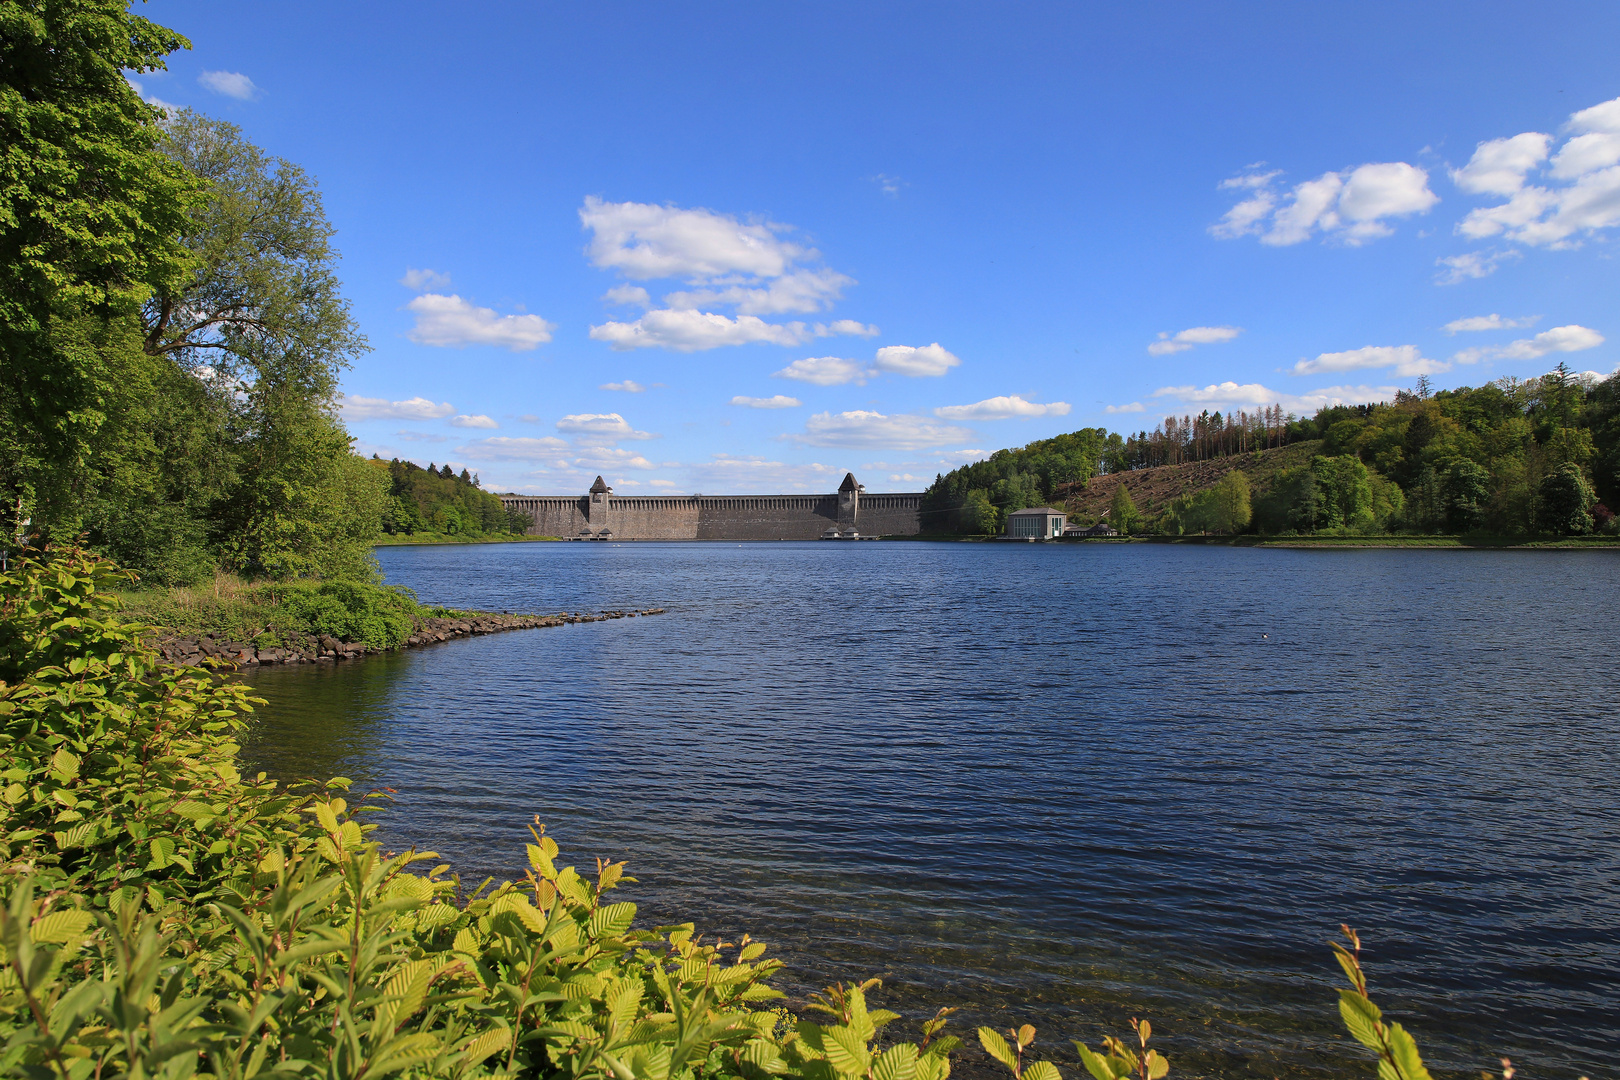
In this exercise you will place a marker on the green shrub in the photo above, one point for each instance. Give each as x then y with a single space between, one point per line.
350 610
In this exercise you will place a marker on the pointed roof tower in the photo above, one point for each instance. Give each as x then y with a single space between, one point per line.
849 483
599 487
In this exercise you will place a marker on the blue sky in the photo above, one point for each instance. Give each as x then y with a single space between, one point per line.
742 247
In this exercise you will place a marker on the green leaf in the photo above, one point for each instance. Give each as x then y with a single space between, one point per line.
898 1063
1095 1064
1406 1055
1042 1070
997 1047
846 1051
1361 1018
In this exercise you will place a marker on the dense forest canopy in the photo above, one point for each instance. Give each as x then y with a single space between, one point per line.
1513 457
437 500
172 328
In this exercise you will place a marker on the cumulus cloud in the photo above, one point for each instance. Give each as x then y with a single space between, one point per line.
827 371
1499 166
1581 192
799 291
628 386
1196 335
1134 406
915 361
608 458
504 448
1476 323
1405 359
628 296
1002 408
355 407
862 428
419 280
229 83
1470 266
749 266
644 241
473 421
1352 206
776 401
1231 395
1570 338
690 330
600 428
452 321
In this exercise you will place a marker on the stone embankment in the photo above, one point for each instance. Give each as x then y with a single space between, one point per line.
312 649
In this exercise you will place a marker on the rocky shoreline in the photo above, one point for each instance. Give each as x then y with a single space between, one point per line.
194 649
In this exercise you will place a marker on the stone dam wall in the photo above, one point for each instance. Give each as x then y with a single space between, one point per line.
602 515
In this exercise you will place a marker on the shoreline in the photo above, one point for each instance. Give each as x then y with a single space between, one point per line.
192 650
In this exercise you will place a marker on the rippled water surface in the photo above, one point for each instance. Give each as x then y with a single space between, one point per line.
1064 784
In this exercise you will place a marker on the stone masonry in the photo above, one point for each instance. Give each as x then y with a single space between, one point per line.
601 515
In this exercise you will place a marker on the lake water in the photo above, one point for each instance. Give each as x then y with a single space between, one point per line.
1062 784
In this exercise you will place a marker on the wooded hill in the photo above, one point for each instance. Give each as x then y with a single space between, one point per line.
1153 490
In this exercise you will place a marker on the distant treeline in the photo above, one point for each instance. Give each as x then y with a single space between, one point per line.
436 500
1511 457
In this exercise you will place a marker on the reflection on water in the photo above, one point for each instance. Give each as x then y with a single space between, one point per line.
1063 784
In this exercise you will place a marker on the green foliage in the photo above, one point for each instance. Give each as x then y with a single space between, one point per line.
428 501
1231 508
979 515
90 211
1122 512
1565 501
1013 480
162 915
1466 491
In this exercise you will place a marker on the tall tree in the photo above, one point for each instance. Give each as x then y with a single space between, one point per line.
90 218
1122 512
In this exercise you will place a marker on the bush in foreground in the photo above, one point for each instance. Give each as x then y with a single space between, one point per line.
162 915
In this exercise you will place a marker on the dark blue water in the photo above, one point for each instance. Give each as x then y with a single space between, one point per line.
1063 784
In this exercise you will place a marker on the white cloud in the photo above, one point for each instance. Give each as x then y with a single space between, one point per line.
1477 323
1499 166
862 428
798 291
419 280
597 429
644 241
473 421
628 296
725 472
776 401
827 371
1405 359
1230 395
628 386
1558 339
1547 215
230 83
355 407
915 361
504 448
605 458
889 185
1001 408
690 330
1351 206
1135 406
452 321
847 328
150 99
1470 266
1196 335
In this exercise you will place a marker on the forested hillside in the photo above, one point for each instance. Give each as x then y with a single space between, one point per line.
436 500
172 330
1514 457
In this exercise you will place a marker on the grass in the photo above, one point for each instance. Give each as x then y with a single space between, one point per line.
273 614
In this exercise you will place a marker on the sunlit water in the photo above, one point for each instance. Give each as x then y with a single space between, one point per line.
1063 784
